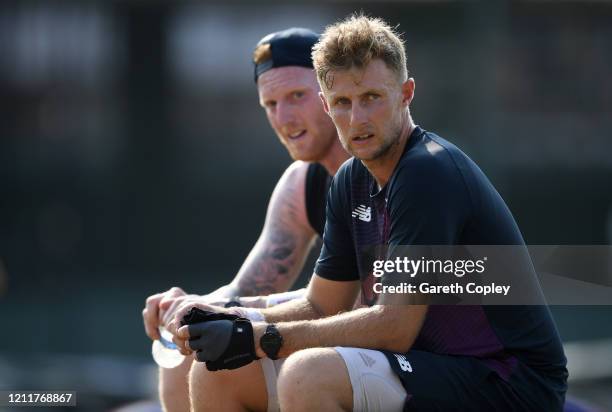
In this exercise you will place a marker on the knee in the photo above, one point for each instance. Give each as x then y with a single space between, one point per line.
173 387
229 390
202 381
314 378
298 373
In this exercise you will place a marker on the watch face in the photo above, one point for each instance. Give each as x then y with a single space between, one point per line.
268 339
271 342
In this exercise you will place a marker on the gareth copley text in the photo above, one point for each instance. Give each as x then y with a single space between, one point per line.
456 289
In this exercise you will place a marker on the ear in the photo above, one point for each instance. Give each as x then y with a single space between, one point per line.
324 101
408 91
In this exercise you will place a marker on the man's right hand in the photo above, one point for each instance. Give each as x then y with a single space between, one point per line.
155 308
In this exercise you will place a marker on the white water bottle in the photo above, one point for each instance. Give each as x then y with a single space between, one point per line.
165 352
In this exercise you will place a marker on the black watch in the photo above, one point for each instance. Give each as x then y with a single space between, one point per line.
271 342
233 302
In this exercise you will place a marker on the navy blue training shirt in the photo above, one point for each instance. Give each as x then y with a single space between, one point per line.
438 196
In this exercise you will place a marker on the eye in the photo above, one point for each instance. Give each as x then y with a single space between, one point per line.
342 101
270 104
372 96
298 95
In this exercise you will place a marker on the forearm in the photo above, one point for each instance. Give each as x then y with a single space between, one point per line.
391 328
262 302
293 310
224 292
227 293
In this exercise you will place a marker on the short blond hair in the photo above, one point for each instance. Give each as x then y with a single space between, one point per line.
355 42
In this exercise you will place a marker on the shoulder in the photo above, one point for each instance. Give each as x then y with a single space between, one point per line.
286 209
296 170
430 171
287 201
293 179
433 155
347 172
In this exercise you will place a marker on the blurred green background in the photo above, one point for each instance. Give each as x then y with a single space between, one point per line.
134 155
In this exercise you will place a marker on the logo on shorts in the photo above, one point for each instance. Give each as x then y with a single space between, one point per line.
403 363
366 359
363 213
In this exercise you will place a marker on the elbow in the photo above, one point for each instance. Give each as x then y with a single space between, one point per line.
403 324
400 344
316 311
400 340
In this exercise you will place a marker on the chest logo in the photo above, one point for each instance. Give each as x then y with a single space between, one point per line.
363 213
403 363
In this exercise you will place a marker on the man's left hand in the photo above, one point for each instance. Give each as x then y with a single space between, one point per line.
221 343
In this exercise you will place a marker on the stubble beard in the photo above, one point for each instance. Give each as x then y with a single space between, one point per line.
386 146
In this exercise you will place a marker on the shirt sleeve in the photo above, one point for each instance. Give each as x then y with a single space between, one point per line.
337 260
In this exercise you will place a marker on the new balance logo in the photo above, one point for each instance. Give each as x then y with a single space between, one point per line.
366 359
363 213
403 363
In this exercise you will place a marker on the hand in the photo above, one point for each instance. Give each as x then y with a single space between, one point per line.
208 339
183 308
222 341
169 305
151 313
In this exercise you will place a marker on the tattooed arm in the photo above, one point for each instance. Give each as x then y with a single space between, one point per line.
273 264
277 258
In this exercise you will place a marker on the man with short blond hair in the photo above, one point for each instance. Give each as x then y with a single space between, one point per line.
404 187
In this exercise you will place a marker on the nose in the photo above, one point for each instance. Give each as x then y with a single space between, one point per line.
284 114
358 115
